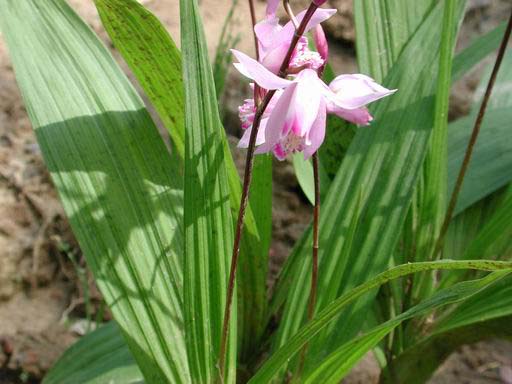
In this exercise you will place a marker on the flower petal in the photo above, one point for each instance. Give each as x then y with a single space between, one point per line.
355 91
359 116
306 101
321 44
272 7
257 72
320 15
316 134
277 120
274 58
266 31
260 137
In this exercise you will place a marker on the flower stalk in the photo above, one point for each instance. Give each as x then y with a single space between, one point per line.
246 186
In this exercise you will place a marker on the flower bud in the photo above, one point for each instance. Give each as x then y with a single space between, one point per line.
321 44
272 8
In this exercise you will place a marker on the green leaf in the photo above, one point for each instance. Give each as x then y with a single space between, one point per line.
156 73
208 222
417 364
279 358
378 174
476 51
334 368
494 237
383 28
432 201
101 356
304 172
488 314
492 303
222 61
118 185
491 164
153 58
482 230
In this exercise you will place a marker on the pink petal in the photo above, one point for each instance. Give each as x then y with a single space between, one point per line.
320 40
306 101
286 34
273 59
355 91
257 72
316 134
277 120
266 31
272 7
359 116
279 152
260 137
318 17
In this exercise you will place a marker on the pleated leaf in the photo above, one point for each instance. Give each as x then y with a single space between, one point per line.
383 29
479 48
486 315
491 164
336 366
153 57
279 358
116 180
99 357
208 222
432 190
375 184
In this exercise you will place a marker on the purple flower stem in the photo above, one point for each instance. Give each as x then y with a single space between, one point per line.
245 189
253 20
472 141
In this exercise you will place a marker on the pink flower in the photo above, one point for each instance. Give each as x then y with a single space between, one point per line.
321 42
247 111
295 122
274 40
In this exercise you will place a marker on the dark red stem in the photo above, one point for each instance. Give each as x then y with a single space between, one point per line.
472 140
253 20
246 184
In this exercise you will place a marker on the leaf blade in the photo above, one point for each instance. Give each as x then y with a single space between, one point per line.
113 174
99 357
208 221
329 313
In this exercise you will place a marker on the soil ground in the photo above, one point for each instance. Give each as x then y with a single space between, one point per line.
43 278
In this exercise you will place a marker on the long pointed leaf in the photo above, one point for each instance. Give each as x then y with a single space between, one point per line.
339 363
153 57
101 356
330 312
208 222
380 170
114 175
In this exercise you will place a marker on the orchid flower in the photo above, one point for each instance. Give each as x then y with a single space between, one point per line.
295 122
274 40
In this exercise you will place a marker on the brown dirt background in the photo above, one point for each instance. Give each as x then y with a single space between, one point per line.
41 292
